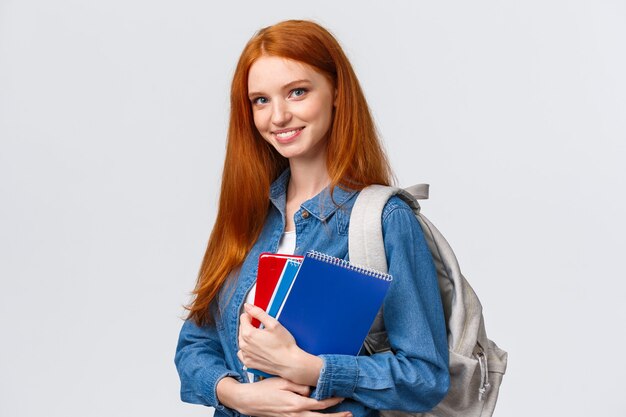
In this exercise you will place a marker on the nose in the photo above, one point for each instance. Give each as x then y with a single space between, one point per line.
280 113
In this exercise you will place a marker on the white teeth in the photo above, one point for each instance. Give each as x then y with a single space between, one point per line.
283 135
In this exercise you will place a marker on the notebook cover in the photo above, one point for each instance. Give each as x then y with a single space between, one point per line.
331 304
280 292
269 270
283 285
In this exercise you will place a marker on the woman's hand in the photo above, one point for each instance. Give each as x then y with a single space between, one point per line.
273 349
273 397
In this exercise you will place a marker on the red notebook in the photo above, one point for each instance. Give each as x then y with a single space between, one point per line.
271 266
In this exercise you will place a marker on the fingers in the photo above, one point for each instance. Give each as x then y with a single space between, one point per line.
312 404
285 385
245 328
259 314
328 402
303 390
340 414
278 396
245 317
245 321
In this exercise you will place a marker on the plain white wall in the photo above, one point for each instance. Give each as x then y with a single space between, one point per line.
112 125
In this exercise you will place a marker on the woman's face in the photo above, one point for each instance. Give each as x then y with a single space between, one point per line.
292 105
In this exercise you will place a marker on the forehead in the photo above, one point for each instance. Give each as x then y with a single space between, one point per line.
269 72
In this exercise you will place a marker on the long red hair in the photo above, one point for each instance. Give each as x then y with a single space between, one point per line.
355 156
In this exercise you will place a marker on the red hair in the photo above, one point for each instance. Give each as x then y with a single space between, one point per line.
355 156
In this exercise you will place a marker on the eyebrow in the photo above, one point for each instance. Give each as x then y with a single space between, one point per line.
284 87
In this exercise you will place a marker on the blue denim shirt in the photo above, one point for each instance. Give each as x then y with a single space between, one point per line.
412 377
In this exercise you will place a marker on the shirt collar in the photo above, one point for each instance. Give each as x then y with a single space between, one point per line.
321 206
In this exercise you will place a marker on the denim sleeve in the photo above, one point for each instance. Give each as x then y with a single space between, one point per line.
200 363
414 375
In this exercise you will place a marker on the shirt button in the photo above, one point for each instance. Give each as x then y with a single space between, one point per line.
305 214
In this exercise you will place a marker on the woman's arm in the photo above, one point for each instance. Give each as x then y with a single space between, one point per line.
200 363
273 397
414 376
205 379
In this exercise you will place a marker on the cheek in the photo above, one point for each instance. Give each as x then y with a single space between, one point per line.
325 117
322 113
257 116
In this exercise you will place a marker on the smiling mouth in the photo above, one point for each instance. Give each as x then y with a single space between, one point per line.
286 135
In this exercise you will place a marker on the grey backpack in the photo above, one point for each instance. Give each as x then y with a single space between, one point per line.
476 363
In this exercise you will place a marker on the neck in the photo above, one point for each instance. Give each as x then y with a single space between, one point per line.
308 178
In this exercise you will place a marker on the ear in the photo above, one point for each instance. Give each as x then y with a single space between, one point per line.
335 101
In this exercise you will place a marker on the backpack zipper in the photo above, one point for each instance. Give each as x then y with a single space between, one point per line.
484 374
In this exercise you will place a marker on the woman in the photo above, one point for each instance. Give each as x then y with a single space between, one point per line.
301 144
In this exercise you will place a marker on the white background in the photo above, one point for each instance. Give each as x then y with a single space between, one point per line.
112 124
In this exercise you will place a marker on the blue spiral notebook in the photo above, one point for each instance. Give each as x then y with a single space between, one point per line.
332 304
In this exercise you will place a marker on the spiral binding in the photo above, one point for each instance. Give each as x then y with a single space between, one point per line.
345 264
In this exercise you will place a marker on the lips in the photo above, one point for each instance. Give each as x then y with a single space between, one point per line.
287 135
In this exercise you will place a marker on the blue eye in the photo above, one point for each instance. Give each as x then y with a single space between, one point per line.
259 100
298 92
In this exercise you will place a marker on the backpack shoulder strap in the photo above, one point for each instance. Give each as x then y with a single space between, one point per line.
366 245
365 235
